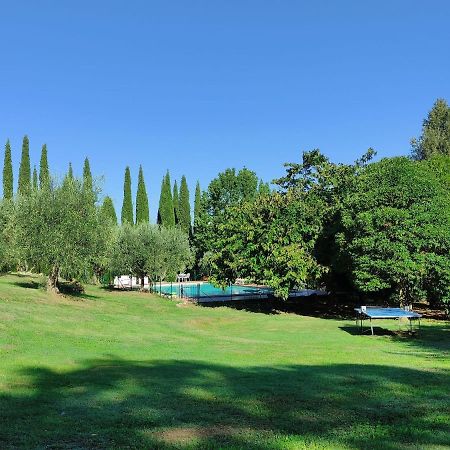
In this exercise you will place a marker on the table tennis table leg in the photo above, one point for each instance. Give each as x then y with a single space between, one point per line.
371 326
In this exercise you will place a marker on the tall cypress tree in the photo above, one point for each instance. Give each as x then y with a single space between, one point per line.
87 176
127 207
142 210
197 203
8 189
166 214
175 200
35 179
184 207
44 173
70 172
25 169
108 212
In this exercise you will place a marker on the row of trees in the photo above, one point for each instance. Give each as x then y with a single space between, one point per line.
378 228
59 229
174 205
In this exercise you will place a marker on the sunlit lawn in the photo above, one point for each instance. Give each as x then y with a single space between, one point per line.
130 370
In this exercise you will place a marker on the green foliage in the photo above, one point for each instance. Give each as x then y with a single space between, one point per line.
184 208
166 213
108 212
229 188
25 169
57 230
396 231
175 200
263 188
8 189
269 241
44 173
435 138
35 179
7 255
127 207
198 207
88 184
69 174
142 210
149 250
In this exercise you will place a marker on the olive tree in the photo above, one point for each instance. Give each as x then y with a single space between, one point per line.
149 250
57 231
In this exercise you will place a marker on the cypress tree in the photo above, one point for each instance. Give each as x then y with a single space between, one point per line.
166 214
70 172
108 212
184 207
142 210
25 169
197 203
87 176
44 173
35 179
8 189
127 207
175 200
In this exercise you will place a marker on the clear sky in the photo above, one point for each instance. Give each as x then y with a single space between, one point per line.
199 86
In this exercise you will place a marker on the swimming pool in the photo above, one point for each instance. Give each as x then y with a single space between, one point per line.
209 292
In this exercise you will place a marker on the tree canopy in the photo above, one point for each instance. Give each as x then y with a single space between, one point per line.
57 231
435 137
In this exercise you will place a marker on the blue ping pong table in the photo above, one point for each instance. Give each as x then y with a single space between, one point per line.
378 312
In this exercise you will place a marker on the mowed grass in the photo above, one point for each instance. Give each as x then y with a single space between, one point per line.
131 370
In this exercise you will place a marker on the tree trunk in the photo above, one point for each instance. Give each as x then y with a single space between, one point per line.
142 283
52 282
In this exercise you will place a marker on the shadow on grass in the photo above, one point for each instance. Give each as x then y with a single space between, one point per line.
114 403
30 284
314 306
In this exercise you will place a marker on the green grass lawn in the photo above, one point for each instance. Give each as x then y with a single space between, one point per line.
131 370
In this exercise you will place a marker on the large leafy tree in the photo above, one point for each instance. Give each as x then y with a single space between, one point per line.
270 241
8 189
435 138
127 206
396 232
44 173
57 230
25 169
184 208
229 188
166 213
142 210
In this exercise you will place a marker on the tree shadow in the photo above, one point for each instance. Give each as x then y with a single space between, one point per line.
116 403
323 307
29 284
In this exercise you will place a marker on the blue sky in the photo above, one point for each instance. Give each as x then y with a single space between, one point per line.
199 86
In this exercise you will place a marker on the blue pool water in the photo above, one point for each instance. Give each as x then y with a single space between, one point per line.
205 290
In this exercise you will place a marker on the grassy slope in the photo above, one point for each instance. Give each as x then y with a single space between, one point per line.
129 370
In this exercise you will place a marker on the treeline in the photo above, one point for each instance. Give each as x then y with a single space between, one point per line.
379 229
58 228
